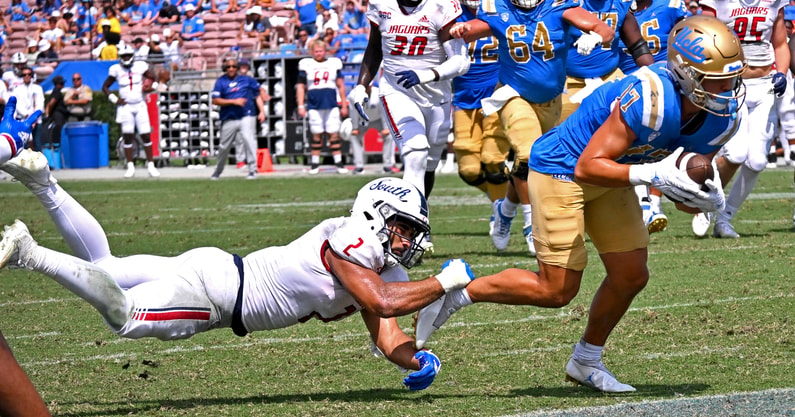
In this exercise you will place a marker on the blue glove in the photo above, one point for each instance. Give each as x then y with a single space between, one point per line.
429 368
18 132
407 78
779 83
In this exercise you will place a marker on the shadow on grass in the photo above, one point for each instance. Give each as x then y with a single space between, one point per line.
644 392
124 408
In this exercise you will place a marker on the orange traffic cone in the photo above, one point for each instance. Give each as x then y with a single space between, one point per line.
264 161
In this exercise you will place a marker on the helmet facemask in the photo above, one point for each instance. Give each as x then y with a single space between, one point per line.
471 4
526 4
394 221
720 104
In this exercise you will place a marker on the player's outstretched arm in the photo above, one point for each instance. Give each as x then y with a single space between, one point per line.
586 22
399 349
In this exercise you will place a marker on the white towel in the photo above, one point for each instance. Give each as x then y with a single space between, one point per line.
497 100
591 84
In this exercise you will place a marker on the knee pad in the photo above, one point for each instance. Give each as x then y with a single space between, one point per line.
480 179
500 176
316 144
334 143
520 170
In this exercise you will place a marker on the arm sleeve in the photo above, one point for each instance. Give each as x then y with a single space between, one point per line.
457 62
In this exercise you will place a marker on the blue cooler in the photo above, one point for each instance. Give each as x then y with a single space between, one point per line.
84 144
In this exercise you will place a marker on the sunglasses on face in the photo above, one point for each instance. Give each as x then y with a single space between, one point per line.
27 74
231 66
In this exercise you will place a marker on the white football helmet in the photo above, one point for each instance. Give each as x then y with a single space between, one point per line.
346 127
382 202
702 48
19 61
126 55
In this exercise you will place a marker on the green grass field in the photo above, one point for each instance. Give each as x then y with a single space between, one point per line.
715 318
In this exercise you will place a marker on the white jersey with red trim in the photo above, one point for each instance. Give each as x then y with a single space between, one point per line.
410 41
130 80
291 284
752 21
321 74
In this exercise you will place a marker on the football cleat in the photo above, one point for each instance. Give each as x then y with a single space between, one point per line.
251 176
313 171
528 237
152 170
15 245
502 227
700 224
342 170
724 230
656 222
31 169
491 224
595 376
430 318
130 172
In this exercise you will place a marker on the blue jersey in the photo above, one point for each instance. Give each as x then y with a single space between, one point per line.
655 22
604 60
231 88
650 103
479 82
532 46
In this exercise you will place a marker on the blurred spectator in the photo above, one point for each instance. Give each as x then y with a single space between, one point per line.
86 19
106 50
155 53
303 41
141 49
693 7
168 14
3 48
69 6
55 112
138 13
66 19
19 11
30 97
328 19
78 98
72 36
193 25
333 44
46 60
182 4
305 15
354 19
51 32
5 28
110 15
224 6
256 27
31 52
169 47
49 6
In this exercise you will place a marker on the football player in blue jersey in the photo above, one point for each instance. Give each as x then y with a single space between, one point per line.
587 72
480 144
628 132
533 44
655 19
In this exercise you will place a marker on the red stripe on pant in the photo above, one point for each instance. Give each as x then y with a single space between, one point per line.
172 315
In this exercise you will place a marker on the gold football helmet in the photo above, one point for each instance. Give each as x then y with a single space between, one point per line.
700 48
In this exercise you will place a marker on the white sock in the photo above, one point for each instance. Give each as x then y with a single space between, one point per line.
587 353
315 160
527 211
509 208
656 203
337 158
450 158
741 189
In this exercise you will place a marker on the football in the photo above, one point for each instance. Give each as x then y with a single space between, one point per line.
698 167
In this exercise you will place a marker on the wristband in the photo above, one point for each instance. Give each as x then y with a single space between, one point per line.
113 98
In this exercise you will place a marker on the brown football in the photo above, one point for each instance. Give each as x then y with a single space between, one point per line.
698 167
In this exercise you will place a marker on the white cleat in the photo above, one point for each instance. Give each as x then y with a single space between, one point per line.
342 170
700 224
313 171
130 172
491 224
449 168
595 376
502 227
15 244
430 318
724 230
31 169
528 237
657 222
153 172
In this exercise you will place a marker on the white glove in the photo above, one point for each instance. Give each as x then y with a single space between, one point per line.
359 98
666 177
455 274
587 42
711 200
113 98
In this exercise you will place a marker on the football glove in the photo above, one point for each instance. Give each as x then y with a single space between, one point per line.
410 78
429 368
455 274
586 43
17 132
359 98
666 177
711 200
779 83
